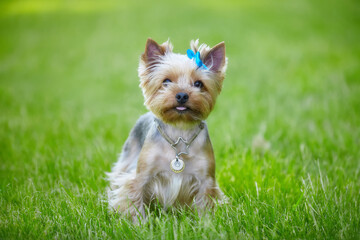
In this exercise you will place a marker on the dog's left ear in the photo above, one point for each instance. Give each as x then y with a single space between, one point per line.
152 51
215 60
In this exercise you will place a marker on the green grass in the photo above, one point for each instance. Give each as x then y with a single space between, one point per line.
69 96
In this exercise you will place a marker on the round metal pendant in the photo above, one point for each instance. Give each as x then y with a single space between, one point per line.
177 165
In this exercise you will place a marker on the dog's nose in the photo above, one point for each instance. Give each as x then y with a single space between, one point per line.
182 97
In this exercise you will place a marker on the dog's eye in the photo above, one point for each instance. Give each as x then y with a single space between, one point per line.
198 84
166 81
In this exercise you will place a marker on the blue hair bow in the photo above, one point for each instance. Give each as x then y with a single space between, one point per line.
190 53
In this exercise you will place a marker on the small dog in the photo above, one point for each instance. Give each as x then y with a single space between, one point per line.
168 157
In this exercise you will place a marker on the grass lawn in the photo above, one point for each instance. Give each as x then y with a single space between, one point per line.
69 96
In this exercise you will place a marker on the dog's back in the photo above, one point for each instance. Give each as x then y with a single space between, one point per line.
130 153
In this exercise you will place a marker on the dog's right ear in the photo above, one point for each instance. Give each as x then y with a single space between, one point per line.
152 51
216 59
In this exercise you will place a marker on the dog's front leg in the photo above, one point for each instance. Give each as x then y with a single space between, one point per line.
139 192
207 196
136 196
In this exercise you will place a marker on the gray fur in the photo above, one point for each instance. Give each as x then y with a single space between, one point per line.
139 132
142 127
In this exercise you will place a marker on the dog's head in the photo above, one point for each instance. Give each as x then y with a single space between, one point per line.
179 88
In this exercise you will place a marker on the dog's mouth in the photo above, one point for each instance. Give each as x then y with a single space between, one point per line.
181 108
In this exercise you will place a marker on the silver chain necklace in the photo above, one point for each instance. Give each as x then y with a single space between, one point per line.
178 165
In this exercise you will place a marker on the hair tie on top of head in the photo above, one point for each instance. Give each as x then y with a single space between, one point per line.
190 53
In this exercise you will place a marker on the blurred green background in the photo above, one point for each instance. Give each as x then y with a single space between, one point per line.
69 96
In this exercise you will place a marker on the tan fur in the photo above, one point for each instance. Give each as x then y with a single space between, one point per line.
142 175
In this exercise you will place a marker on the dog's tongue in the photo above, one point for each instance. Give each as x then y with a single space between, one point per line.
181 108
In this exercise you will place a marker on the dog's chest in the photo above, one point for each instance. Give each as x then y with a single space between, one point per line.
171 189
160 158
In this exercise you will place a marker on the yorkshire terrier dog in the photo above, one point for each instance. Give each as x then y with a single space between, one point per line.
168 157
